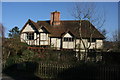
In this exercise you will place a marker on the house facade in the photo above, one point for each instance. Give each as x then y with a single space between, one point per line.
61 34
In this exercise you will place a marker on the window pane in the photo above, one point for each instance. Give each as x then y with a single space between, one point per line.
30 36
68 39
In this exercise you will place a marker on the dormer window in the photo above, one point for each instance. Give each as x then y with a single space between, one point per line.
69 39
30 36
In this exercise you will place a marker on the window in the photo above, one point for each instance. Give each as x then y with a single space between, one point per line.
68 39
93 40
43 36
30 36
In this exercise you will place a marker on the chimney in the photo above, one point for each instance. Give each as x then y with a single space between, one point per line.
55 18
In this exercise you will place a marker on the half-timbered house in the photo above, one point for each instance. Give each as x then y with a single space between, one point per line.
61 34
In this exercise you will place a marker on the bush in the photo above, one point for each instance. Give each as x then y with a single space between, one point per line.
68 57
11 60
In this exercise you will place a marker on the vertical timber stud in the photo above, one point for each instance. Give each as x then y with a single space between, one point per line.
39 39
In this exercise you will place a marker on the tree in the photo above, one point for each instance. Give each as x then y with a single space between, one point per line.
116 41
13 46
14 32
115 36
86 11
104 33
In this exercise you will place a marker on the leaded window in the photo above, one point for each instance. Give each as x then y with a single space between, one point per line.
69 39
30 36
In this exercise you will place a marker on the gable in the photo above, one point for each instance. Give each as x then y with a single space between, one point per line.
43 29
28 28
68 35
60 30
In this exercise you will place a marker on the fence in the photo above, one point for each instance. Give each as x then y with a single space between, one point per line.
51 70
82 72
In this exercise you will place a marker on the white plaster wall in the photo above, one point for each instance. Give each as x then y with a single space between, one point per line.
44 41
84 42
40 30
58 43
55 42
21 37
99 44
81 43
28 28
77 41
68 44
93 45
24 36
65 45
67 35
71 45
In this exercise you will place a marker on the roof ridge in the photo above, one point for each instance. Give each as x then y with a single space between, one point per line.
66 26
62 20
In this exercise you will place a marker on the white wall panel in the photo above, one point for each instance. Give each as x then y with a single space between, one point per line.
28 28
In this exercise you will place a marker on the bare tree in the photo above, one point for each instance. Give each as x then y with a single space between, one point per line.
87 11
115 36
115 41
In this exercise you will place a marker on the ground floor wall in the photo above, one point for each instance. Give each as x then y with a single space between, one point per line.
59 43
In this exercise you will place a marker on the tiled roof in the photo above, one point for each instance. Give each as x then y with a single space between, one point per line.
69 25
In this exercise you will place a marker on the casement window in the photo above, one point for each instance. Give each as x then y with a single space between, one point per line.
93 40
30 36
68 39
43 36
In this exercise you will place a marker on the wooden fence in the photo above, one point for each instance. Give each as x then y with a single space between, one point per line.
82 72
51 70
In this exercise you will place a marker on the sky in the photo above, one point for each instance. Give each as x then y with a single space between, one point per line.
17 13
60 0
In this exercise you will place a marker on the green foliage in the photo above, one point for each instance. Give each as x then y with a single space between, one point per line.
51 55
26 56
30 56
11 60
68 57
14 32
13 46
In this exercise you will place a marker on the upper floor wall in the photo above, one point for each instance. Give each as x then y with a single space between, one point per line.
28 28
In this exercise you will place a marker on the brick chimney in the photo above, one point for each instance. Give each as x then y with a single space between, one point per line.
55 18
